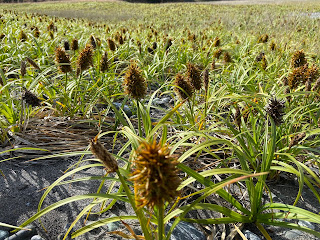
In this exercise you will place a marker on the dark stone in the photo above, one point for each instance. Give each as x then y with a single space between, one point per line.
185 231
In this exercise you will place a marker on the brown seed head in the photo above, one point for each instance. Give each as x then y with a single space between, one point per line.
155 175
297 76
312 73
216 42
74 45
66 45
217 53
298 59
62 59
36 32
227 57
92 42
103 155
263 38
296 139
23 68
183 88
104 64
275 109
32 63
168 44
134 83
316 85
273 46
31 99
22 36
111 44
85 59
193 75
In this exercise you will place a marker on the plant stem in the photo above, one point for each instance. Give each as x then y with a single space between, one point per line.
160 222
139 118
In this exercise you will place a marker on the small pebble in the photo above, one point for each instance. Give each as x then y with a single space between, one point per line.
292 234
36 237
250 235
307 224
125 108
113 225
3 234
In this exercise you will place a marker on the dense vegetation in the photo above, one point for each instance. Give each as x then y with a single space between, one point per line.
244 83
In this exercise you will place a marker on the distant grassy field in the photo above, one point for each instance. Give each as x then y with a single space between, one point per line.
231 89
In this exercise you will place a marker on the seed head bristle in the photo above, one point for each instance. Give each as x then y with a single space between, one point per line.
216 42
66 45
296 139
134 83
155 175
85 59
183 88
263 38
103 155
92 42
227 57
31 99
32 63
74 45
62 59
316 85
275 109
206 80
193 76
111 44
23 36
298 59
217 53
297 76
23 68
104 64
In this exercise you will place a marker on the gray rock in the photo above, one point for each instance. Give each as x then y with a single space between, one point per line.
307 224
162 102
36 237
113 225
24 234
125 108
292 234
250 235
3 234
185 231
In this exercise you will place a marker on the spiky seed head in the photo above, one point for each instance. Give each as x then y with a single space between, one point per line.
213 64
121 41
193 76
66 45
206 80
74 45
23 68
264 63
23 36
217 53
32 63
150 50
168 44
104 64
31 99
111 44
103 155
51 27
36 32
216 42
183 88
62 59
155 175
298 59
275 109
273 46
296 139
51 35
297 76
227 57
263 38
312 73
154 45
260 56
92 42
85 59
134 84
